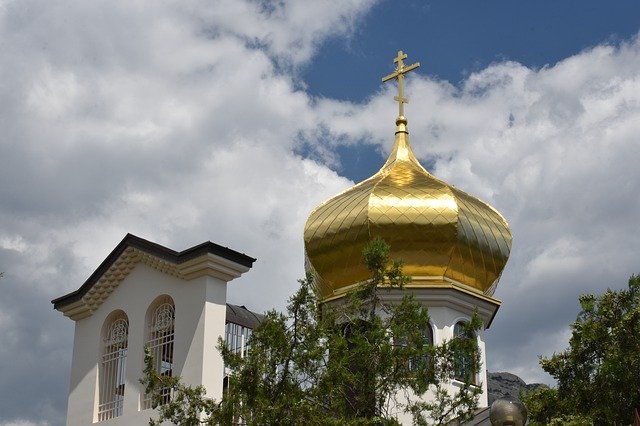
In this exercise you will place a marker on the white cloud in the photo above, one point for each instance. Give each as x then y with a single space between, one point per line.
289 30
168 121
13 243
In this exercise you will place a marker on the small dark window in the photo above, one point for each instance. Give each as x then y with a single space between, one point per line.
421 363
464 367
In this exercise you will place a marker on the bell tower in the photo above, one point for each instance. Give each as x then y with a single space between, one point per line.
145 294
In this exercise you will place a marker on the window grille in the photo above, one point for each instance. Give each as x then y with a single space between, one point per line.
160 343
112 369
236 338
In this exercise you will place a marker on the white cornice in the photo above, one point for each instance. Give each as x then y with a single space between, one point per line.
450 296
211 265
205 265
434 293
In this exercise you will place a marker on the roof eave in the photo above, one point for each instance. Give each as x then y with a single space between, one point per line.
211 250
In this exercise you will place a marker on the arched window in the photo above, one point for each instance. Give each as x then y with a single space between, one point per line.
464 368
423 362
113 366
160 338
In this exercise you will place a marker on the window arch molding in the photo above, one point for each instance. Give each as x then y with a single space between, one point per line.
114 347
159 337
458 320
434 333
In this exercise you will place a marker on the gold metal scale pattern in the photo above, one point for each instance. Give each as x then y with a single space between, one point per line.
443 234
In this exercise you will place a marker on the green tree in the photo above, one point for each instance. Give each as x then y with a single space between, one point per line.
275 382
188 405
545 408
599 373
353 361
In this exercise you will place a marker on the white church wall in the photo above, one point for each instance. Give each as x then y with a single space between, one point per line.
443 320
200 310
482 371
215 316
83 392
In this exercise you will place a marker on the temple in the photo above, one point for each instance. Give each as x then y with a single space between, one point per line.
453 245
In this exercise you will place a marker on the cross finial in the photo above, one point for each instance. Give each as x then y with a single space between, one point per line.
398 74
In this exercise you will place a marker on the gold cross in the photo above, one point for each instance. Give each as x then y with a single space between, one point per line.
398 74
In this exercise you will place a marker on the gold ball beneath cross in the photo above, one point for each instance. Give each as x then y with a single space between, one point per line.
401 120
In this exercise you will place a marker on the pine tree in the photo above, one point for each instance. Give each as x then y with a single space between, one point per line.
598 374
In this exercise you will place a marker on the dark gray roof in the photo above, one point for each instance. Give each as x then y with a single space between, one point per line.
242 316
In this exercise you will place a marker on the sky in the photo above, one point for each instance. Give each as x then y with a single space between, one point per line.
230 120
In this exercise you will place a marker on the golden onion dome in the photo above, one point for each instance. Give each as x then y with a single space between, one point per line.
443 234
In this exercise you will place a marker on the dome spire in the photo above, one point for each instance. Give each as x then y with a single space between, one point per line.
398 74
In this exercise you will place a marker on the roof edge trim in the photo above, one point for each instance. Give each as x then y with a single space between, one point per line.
157 250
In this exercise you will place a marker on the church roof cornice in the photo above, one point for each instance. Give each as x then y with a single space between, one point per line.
203 259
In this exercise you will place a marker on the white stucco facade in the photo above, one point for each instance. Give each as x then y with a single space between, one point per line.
199 298
449 304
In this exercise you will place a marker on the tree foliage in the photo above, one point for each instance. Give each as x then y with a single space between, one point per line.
599 373
188 405
544 408
356 361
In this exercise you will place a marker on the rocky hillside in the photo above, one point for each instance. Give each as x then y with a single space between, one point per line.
507 386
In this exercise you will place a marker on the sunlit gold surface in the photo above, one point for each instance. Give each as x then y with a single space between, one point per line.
441 232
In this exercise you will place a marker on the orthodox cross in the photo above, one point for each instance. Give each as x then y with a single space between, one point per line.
398 74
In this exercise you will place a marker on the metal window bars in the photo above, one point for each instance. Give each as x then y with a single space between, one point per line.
112 370
236 337
160 342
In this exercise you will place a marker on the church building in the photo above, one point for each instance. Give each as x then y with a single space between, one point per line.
453 245
147 294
